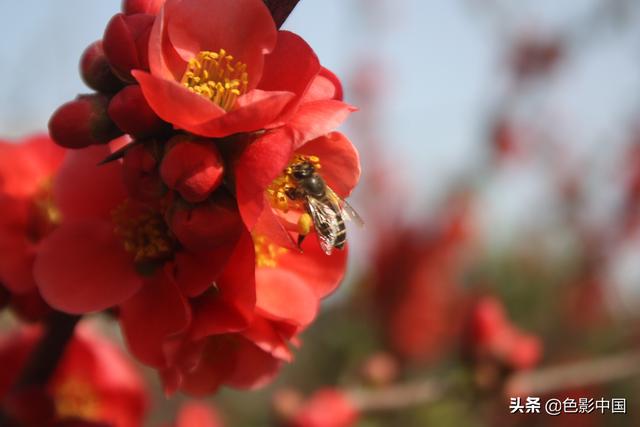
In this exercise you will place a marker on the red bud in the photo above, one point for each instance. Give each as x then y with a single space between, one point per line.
207 225
152 7
125 43
83 122
131 112
96 71
193 167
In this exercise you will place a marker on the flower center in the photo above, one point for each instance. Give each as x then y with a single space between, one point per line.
144 232
267 253
76 399
216 76
277 190
43 214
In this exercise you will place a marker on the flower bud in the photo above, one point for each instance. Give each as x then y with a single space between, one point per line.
193 167
96 71
141 176
207 225
125 43
152 7
131 113
83 122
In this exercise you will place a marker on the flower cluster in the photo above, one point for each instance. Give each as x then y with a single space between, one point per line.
176 207
94 384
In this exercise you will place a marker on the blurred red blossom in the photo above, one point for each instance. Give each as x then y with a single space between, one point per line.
327 408
28 216
491 338
198 414
415 285
94 382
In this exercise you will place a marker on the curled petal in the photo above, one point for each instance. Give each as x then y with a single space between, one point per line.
317 118
291 67
174 103
253 111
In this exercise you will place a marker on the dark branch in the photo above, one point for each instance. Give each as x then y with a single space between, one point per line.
46 355
280 9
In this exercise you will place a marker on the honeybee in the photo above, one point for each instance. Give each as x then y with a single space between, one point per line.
327 210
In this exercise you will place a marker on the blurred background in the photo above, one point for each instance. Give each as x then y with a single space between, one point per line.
500 145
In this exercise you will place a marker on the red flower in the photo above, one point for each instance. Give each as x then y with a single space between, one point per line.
327 408
220 67
198 414
28 215
113 250
416 296
93 382
261 178
492 337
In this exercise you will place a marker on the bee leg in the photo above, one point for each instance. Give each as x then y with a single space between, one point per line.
301 238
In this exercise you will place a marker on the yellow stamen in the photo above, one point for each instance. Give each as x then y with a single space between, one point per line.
144 233
216 76
277 191
267 253
76 399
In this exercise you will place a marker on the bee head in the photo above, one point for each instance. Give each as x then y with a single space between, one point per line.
302 170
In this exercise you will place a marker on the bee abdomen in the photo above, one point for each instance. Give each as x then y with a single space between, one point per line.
341 236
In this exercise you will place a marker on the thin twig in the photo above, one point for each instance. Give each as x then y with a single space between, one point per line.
538 382
46 355
399 395
574 375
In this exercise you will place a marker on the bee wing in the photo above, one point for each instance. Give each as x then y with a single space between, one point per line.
344 208
325 221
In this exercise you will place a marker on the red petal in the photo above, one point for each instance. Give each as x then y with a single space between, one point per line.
317 118
285 296
82 267
83 189
174 103
164 61
231 308
339 159
325 85
196 272
157 311
244 28
254 367
290 67
322 273
252 111
264 335
259 164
